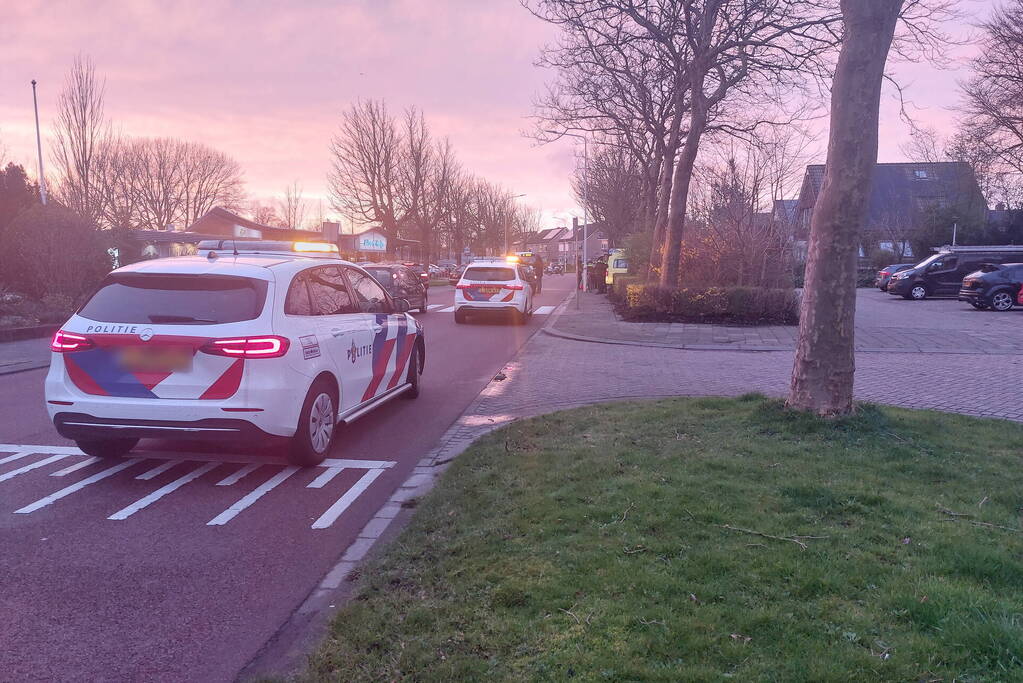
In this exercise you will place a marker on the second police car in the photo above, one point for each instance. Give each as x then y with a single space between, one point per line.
243 342
494 286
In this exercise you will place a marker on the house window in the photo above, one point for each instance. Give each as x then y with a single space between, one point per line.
920 174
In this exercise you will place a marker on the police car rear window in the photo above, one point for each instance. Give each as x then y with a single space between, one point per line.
176 299
486 274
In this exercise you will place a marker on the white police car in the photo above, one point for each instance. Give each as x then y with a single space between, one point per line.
244 341
494 286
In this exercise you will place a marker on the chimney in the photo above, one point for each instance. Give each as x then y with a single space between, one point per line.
575 225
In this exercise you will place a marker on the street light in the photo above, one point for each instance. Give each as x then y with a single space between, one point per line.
586 217
507 223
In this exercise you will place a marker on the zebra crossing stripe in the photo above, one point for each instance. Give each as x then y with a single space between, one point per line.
28 468
158 470
239 475
335 510
159 493
260 491
449 309
68 490
16 456
434 307
74 468
543 310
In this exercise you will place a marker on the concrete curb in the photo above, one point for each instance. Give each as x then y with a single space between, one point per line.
757 349
34 332
22 366
284 654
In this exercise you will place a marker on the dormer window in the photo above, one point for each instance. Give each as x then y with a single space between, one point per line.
920 174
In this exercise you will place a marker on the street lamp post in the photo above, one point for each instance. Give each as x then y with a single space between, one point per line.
586 215
507 223
39 146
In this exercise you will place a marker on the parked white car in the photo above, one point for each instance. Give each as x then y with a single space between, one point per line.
246 341
494 286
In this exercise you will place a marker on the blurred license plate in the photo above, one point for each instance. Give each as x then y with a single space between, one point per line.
161 359
490 291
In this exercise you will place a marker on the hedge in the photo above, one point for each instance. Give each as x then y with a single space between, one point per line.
734 305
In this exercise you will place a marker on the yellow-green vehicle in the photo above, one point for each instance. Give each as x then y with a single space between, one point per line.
617 265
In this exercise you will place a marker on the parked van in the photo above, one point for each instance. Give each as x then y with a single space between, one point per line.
942 273
617 265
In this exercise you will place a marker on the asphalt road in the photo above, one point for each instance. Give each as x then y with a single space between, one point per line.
174 567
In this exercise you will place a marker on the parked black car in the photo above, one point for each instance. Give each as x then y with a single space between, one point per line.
942 274
994 286
421 270
885 274
401 282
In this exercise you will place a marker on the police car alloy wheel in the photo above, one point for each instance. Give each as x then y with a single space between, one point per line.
107 448
315 433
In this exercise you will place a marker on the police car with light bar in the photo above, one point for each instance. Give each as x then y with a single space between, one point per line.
494 286
245 341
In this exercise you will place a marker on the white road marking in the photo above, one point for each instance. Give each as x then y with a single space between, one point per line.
230 513
74 468
30 467
159 493
158 470
433 307
54 450
323 479
335 510
16 456
449 309
68 490
543 310
239 475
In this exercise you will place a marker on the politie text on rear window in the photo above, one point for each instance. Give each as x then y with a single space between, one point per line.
485 274
176 299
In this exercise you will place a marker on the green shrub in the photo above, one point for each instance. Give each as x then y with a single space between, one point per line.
617 291
49 250
736 305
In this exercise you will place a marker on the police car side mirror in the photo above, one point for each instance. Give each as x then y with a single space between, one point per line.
401 306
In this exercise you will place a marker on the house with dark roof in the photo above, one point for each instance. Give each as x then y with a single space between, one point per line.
564 245
901 197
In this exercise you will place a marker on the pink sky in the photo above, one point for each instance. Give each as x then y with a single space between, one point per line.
265 82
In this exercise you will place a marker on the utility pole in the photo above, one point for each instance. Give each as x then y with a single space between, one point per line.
39 147
586 215
507 222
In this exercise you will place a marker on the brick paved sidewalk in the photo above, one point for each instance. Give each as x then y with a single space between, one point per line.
883 324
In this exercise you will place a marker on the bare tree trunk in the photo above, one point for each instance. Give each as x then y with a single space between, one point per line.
822 377
680 183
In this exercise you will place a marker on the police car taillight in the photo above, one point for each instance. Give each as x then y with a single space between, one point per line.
269 346
66 342
515 287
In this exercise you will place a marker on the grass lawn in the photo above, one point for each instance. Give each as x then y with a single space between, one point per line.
705 539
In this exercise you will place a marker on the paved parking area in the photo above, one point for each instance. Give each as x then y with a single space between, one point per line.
884 323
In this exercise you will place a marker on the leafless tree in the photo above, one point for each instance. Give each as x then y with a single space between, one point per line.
292 207
994 94
365 169
265 214
157 182
822 376
79 131
613 190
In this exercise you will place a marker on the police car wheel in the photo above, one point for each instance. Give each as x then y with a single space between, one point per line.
413 376
459 317
107 448
312 440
